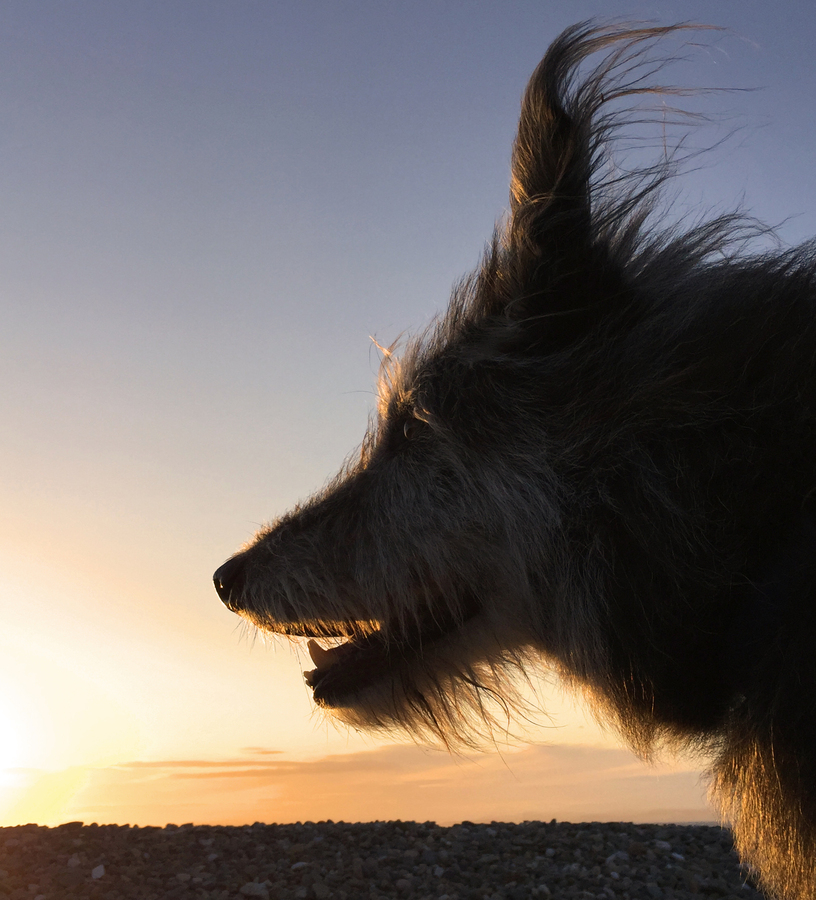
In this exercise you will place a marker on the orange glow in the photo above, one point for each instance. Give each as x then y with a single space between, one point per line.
395 782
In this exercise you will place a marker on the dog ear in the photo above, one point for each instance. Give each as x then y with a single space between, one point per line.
564 220
552 158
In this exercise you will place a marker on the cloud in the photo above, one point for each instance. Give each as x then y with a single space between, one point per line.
395 782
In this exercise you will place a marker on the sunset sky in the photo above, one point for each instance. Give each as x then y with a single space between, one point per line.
206 209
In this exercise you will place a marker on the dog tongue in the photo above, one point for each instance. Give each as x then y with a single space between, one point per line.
324 659
321 657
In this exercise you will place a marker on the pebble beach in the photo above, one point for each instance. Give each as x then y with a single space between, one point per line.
345 861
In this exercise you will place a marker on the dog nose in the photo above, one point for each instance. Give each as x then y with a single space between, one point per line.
229 581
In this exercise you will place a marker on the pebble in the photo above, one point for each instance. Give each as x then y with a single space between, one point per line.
254 889
346 861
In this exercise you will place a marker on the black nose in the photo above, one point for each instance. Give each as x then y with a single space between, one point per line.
229 581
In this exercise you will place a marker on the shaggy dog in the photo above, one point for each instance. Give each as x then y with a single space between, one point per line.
602 457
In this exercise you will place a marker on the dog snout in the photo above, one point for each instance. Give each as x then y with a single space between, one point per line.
229 580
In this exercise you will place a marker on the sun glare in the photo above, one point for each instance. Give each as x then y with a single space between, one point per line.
11 739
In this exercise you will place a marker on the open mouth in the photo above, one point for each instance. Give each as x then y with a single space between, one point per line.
347 668
367 652
344 670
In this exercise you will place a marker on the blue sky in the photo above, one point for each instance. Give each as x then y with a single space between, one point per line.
207 209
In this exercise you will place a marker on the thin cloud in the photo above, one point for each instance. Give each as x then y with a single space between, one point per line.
396 782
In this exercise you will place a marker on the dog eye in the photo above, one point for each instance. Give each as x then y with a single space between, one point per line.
412 428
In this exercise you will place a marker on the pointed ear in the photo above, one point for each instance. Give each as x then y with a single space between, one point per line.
560 272
566 122
564 221
553 151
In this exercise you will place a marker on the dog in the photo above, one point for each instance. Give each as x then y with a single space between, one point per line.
601 459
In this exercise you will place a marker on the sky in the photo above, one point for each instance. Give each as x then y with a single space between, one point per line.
207 209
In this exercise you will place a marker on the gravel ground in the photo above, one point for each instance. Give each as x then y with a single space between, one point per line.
319 861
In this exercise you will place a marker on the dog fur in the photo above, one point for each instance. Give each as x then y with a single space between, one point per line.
602 458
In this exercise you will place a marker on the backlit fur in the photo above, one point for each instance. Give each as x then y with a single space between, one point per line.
602 457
